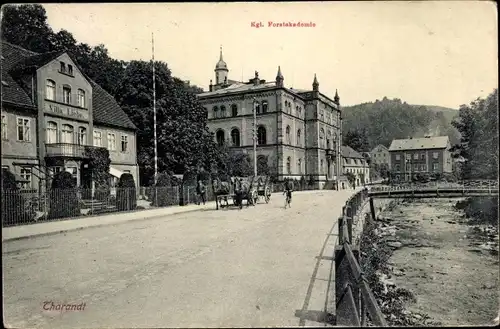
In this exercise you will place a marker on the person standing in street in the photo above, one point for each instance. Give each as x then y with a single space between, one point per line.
200 190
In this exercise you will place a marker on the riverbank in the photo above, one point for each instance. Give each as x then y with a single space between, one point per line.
428 267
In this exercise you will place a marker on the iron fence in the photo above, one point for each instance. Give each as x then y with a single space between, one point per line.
354 297
20 207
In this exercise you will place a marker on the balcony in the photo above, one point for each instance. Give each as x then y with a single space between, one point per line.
66 150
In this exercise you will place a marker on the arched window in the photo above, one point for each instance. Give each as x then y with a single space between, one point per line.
257 107
289 165
50 90
234 110
299 166
328 139
322 167
82 136
219 135
216 112
287 133
51 132
223 111
235 137
67 134
81 98
66 94
322 138
299 141
264 106
261 136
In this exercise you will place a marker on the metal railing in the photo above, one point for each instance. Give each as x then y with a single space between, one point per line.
354 297
65 150
21 207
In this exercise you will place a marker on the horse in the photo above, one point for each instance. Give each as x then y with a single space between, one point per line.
242 190
220 188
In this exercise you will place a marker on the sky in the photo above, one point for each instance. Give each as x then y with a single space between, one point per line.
428 53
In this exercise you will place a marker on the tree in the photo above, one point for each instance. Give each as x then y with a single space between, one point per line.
184 141
64 196
26 26
262 165
126 196
357 140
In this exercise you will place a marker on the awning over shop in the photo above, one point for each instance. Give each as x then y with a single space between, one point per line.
115 172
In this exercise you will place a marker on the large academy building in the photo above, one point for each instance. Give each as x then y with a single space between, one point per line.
297 130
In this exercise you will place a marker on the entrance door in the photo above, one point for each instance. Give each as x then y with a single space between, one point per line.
86 180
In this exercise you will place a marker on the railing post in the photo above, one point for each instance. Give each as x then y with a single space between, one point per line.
341 231
349 228
372 209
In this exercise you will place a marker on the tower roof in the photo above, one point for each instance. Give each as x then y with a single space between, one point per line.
279 75
221 65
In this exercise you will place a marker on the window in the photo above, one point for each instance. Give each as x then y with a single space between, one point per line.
264 107
4 126
322 116
415 156
220 137
50 90
435 155
97 138
63 67
299 166
408 167
299 111
124 143
289 165
322 165
67 134
299 141
321 138
422 156
287 133
235 137
327 144
82 136
223 111
26 175
70 70
81 98
398 157
257 107
23 129
55 170
234 110
408 156
67 94
415 167
435 166
111 142
216 112
51 132
261 136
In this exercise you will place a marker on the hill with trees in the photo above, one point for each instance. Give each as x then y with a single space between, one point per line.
379 122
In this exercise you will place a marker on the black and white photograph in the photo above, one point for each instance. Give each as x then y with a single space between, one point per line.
250 164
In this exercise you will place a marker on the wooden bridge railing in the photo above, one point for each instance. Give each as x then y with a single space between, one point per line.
477 187
354 297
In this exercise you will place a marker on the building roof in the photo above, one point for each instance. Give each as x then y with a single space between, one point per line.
439 142
239 87
383 147
14 59
348 152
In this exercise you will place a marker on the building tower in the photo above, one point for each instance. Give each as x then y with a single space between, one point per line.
221 70
315 87
279 78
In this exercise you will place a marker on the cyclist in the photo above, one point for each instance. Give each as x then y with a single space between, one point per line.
288 191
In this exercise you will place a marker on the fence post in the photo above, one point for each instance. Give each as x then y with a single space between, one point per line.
156 196
341 231
349 228
372 210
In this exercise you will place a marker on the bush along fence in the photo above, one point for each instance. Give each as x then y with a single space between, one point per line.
19 207
354 297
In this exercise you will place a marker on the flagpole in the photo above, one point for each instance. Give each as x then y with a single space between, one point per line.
154 108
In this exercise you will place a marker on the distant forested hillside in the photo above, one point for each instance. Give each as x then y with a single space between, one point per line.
384 120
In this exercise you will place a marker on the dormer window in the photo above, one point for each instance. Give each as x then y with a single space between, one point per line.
70 69
63 67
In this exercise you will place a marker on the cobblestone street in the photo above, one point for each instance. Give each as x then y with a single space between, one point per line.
250 267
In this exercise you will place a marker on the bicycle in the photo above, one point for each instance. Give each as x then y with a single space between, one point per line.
288 198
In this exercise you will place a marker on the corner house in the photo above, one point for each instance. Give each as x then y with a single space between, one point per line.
51 113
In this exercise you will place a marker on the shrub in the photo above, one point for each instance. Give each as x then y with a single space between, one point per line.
126 197
311 181
64 201
13 210
164 193
102 193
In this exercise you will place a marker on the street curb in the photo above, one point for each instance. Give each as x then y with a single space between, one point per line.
95 226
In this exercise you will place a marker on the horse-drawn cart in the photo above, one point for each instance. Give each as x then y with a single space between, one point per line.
264 189
237 189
